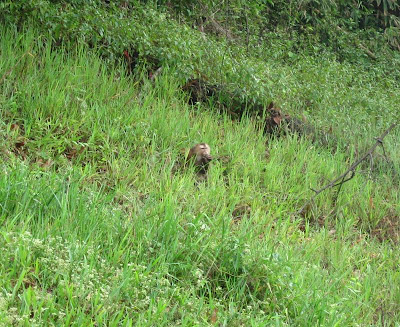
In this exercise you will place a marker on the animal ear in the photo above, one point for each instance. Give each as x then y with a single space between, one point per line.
271 105
277 119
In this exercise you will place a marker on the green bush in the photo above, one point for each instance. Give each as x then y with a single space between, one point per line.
284 67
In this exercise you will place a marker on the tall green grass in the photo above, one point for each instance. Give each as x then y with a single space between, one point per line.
97 229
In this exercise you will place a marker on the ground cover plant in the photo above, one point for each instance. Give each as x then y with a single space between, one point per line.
97 230
99 227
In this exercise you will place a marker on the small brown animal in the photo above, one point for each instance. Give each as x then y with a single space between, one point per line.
200 156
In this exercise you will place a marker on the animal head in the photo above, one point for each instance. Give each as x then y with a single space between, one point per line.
201 152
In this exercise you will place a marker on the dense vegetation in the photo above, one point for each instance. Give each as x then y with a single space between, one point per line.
97 227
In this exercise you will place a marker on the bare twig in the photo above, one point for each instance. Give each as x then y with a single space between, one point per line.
367 51
339 181
340 184
383 149
361 46
371 162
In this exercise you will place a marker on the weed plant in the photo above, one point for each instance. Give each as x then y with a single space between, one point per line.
97 230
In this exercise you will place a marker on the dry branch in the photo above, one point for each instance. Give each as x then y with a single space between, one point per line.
339 181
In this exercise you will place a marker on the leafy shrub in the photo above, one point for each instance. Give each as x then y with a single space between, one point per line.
150 37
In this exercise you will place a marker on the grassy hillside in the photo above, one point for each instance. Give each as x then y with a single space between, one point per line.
97 229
